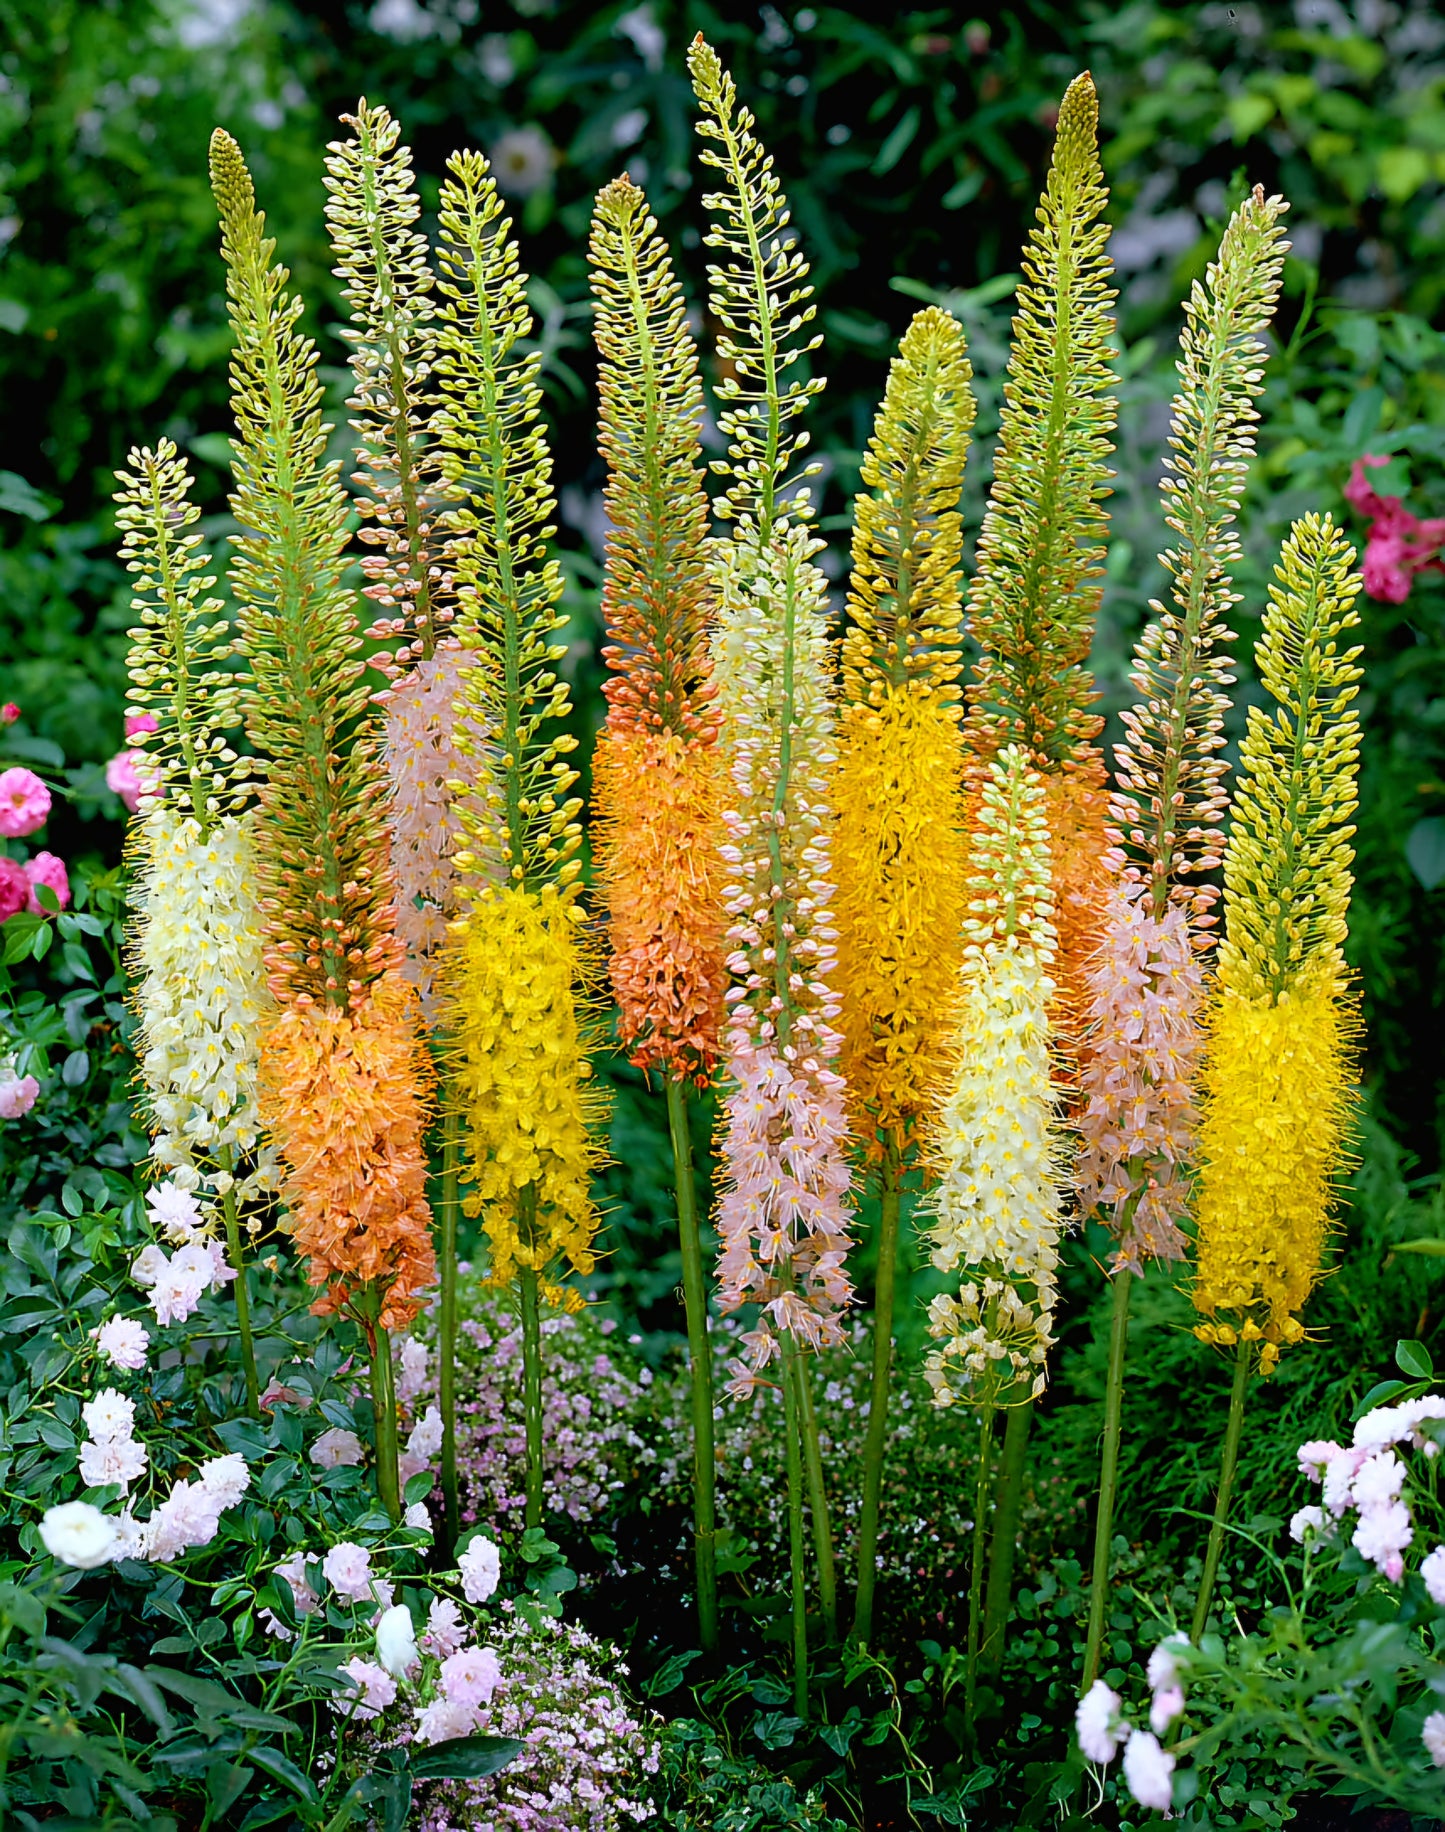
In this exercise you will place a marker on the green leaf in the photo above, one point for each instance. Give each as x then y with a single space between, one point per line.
1432 1245
1425 851
1413 1358
466 1758
284 1769
17 497
147 1697
670 1675
898 142
1380 1394
225 1784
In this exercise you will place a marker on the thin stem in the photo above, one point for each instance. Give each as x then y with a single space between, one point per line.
975 1570
447 1320
818 1501
383 1401
1229 1465
532 1391
1008 1502
694 1294
1108 1474
876 1441
243 1299
797 1553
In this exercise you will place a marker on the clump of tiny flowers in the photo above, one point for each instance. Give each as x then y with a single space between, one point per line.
1368 1479
588 1756
594 1397
1136 1130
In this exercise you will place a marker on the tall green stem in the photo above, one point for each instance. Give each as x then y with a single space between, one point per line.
447 1321
1108 1474
1229 1465
797 1550
243 1298
532 1391
383 1402
1008 1502
694 1297
876 1441
818 1502
975 1569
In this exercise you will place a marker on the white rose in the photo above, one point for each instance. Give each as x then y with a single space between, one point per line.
396 1641
79 1535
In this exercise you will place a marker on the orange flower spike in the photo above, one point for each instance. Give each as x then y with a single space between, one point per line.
659 781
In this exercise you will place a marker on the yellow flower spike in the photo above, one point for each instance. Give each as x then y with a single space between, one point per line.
1283 1029
899 851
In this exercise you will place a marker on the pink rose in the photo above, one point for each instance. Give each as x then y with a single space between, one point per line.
24 802
123 777
471 1677
14 888
17 1096
138 724
46 869
9 713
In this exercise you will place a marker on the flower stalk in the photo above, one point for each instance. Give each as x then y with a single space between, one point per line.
1224 1494
694 1291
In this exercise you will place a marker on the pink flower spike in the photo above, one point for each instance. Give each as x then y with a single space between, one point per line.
24 802
46 869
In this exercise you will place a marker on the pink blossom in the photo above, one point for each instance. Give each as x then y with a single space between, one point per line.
411 1373
109 1415
1149 1771
149 1264
293 1572
46 869
1432 1569
175 1211
1397 544
347 1568
374 1683
14 887
426 1437
1307 1520
140 724
1166 1706
18 1094
442 1720
112 1461
1315 1457
1432 1735
9 713
225 1479
1146 987
24 802
480 1569
471 1677
1098 1723
337 1448
189 1516
1378 1480
175 1293
444 1633
122 776
123 1342
1382 1536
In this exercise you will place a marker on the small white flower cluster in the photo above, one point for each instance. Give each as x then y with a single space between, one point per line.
1367 1477
111 1456
177 1282
1102 1727
79 1534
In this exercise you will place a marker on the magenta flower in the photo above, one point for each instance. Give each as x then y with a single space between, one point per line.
14 888
123 777
1397 544
24 802
140 724
9 713
46 869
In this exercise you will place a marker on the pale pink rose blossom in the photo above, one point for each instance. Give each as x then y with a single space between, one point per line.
174 1212
375 1685
417 1518
442 1720
188 1517
24 802
445 1632
113 1462
396 1647
1163 1668
471 1676
18 1095
347 1568
1149 1771
149 1264
1316 1456
123 1342
293 1572
1432 1569
337 1448
226 1478
1378 1480
411 1374
175 1295
480 1568
1166 1706
1432 1735
1382 1536
1307 1520
123 777
426 1437
1097 1721
109 1415
46 869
